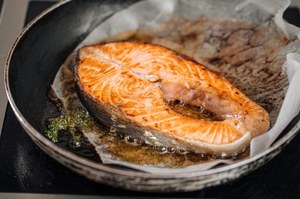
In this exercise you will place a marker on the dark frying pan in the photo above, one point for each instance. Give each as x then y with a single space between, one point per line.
33 62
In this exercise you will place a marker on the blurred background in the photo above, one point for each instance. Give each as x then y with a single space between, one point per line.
296 3
38 173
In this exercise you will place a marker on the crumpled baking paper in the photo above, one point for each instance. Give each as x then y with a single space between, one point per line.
149 14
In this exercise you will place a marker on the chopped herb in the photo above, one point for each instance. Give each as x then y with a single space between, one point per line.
73 122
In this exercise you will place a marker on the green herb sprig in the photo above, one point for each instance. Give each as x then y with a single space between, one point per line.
74 121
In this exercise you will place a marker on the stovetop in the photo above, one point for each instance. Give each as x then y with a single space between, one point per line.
26 168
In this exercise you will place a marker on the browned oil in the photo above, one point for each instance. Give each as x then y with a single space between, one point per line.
137 152
158 156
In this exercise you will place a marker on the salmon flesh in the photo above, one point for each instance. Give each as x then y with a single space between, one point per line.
129 86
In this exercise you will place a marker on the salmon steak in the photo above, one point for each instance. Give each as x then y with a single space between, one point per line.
130 86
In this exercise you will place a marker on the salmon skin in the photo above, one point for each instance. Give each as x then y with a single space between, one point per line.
129 85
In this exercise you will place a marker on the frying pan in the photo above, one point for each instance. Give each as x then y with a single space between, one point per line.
32 64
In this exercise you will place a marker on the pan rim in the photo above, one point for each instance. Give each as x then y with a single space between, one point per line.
105 168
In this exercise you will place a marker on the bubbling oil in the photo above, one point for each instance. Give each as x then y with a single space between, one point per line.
136 151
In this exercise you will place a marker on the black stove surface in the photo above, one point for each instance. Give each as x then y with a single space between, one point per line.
26 168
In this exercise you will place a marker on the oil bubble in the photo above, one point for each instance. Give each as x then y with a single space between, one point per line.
129 139
112 129
203 156
119 136
183 151
171 149
235 155
224 156
161 149
139 141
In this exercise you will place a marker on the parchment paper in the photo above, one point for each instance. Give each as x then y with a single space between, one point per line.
149 14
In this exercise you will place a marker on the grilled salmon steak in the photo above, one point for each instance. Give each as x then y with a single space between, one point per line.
129 85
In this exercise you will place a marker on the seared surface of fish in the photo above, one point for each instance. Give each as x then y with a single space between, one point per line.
128 85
